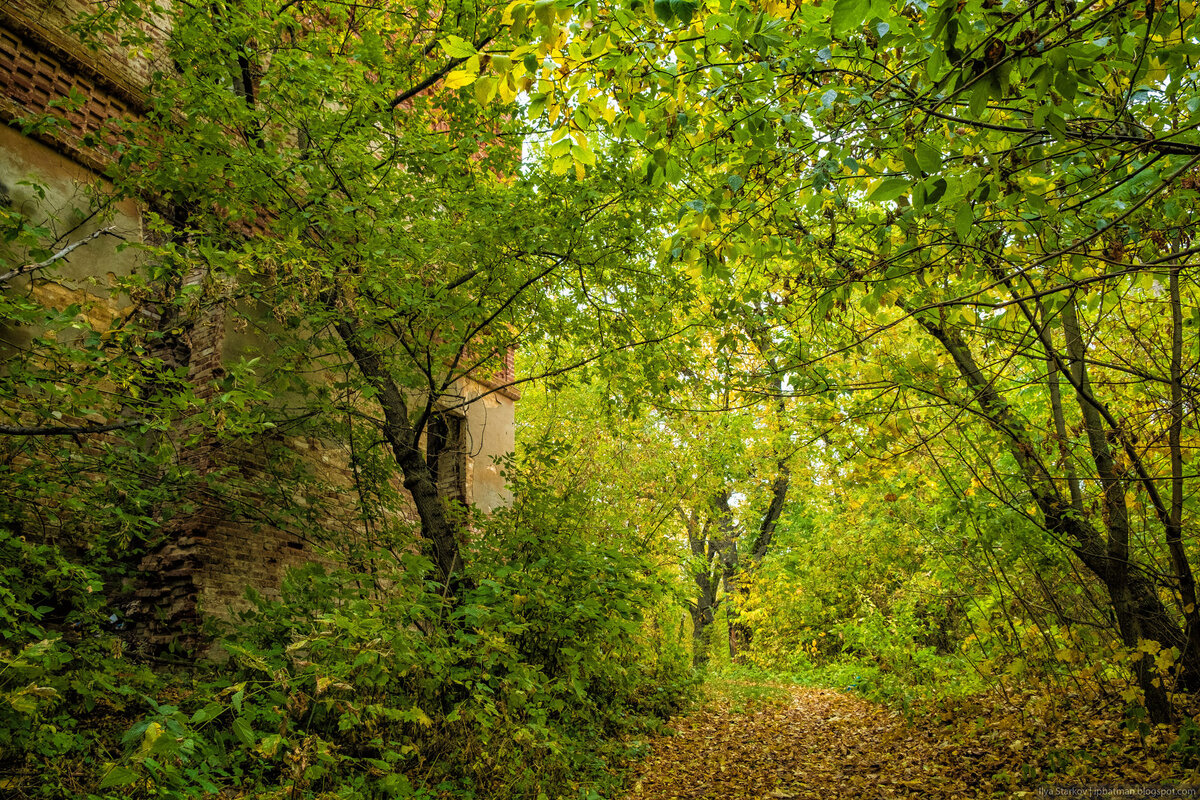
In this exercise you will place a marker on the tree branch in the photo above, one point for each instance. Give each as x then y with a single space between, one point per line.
60 255
67 430
413 91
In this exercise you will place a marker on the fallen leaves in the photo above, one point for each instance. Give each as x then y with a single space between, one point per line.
819 743
814 743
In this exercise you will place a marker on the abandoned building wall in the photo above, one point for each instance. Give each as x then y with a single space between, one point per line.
212 555
88 276
491 429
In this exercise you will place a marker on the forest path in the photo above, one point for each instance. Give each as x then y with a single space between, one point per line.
809 743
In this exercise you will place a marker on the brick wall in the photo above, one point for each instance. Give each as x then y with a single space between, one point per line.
167 607
39 64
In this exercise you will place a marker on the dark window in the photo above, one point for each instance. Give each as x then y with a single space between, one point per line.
446 455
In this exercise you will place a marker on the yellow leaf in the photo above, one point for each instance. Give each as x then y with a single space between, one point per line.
458 79
508 88
154 732
485 90
507 19
561 165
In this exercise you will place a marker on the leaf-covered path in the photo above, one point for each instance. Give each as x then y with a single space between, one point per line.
816 743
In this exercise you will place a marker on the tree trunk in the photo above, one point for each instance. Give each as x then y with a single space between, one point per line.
1139 613
1174 521
403 437
725 544
715 553
703 608
1127 599
703 613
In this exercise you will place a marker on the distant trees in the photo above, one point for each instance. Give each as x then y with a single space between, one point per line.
1010 186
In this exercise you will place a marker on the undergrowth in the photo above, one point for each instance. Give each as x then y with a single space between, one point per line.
352 684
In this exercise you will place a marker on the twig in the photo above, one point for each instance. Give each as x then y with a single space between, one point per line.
61 254
67 430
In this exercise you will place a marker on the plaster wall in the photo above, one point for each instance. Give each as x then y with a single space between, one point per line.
54 192
491 429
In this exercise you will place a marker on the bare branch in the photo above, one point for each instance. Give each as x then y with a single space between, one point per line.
61 254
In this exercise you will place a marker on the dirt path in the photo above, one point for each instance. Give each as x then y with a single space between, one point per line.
813 743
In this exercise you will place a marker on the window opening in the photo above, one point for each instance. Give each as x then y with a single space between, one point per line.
446 455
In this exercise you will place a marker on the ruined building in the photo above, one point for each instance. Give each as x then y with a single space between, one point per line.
210 556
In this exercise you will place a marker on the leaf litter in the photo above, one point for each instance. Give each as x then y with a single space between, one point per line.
813 743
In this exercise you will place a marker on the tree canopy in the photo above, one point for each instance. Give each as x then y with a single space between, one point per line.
862 333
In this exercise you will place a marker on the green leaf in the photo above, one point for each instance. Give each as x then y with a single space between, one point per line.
935 62
684 10
210 711
934 191
979 99
119 776
1067 85
849 14
1056 124
243 731
964 218
457 47
545 12
890 189
911 164
662 10
929 157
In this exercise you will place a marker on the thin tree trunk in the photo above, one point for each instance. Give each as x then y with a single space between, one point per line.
1134 599
726 566
1060 421
707 579
1174 523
